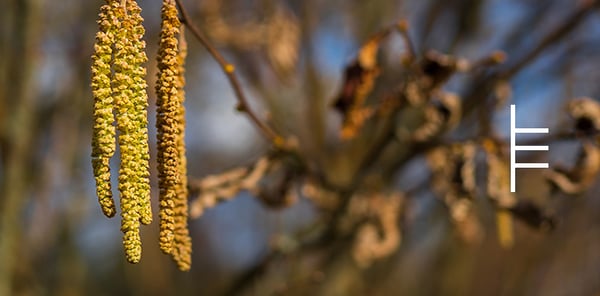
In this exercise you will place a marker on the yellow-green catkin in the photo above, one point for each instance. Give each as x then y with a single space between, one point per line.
130 99
141 104
103 140
169 125
174 234
182 249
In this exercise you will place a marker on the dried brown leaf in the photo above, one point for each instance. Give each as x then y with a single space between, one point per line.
359 79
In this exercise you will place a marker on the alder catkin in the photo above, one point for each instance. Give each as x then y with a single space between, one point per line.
129 93
169 124
119 86
172 173
140 103
182 251
103 139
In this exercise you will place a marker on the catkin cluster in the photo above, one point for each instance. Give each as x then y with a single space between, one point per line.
170 122
119 89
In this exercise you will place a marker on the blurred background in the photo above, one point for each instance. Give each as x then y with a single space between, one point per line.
290 56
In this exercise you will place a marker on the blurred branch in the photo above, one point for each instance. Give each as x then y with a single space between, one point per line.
229 71
252 274
433 12
17 134
571 22
330 243
481 86
315 112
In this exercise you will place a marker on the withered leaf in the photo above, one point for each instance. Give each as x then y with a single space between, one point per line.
359 78
438 67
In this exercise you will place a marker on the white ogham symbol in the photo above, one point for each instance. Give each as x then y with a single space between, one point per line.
514 148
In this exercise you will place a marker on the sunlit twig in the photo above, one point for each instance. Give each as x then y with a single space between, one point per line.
229 71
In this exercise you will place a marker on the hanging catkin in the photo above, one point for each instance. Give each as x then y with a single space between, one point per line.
118 83
103 140
129 89
182 251
119 87
170 122
167 125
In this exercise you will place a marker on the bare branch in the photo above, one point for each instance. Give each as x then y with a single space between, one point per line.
571 22
229 71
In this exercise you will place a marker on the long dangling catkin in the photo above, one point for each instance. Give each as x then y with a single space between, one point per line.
130 98
182 251
140 98
169 125
103 140
119 87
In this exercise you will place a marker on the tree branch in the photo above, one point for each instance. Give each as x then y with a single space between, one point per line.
571 22
229 71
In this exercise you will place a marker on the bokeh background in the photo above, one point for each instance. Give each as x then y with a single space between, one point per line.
290 56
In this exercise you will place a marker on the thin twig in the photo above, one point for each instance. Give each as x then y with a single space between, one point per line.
229 71
484 84
571 22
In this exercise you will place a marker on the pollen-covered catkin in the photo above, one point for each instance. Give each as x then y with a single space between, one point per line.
169 124
103 140
140 103
119 86
129 92
182 251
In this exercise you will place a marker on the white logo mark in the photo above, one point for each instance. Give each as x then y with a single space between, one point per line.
514 148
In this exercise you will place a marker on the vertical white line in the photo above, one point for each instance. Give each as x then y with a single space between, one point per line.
512 148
